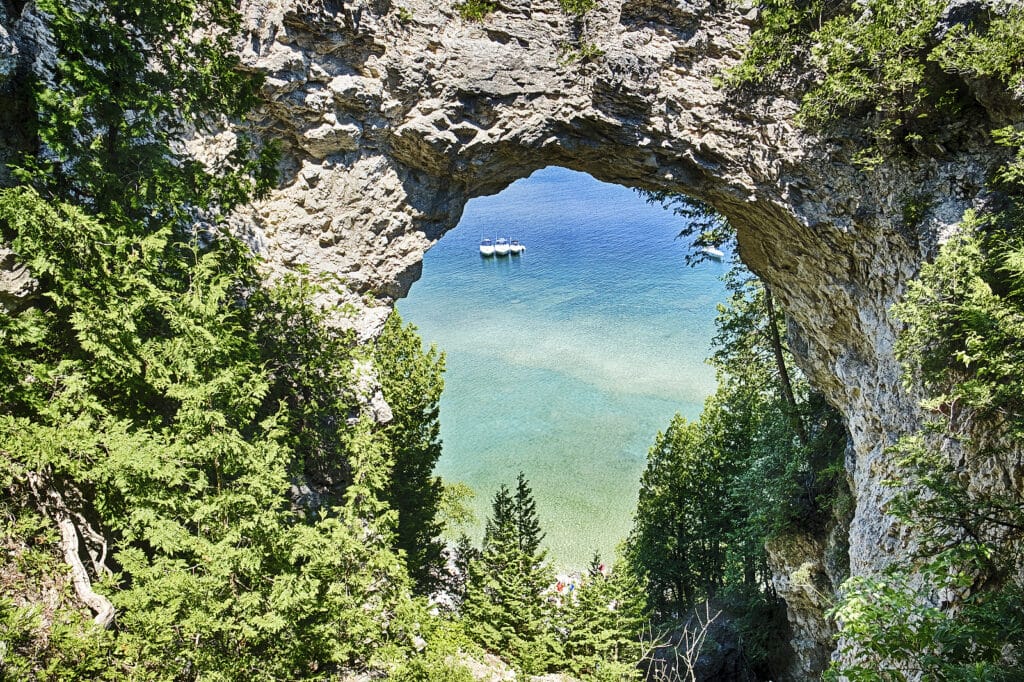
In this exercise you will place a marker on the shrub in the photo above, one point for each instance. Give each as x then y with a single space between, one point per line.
476 10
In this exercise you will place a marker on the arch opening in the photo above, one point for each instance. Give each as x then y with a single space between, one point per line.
564 363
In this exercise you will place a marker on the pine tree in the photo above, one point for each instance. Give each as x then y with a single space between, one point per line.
505 600
603 622
528 525
412 383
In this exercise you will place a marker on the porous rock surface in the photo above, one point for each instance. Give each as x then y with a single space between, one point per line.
392 114
807 572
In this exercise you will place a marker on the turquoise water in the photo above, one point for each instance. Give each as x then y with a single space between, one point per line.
563 363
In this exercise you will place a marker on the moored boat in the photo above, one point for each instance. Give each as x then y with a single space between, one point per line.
515 248
486 247
712 252
501 247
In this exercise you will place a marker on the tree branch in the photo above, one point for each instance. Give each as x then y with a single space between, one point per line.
52 503
80 577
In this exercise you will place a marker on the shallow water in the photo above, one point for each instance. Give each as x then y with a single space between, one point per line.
564 362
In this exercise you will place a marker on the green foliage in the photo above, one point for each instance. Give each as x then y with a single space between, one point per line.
602 621
511 608
440 647
790 439
432 667
878 63
462 554
504 604
887 625
577 7
702 224
66 648
989 47
202 425
679 534
782 38
454 509
763 460
953 611
915 209
311 375
129 80
475 10
898 626
527 525
412 384
47 638
160 400
965 321
885 63
583 53
405 15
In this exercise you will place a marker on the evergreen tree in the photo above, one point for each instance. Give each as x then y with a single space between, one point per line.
412 384
130 80
527 523
505 601
681 521
311 372
603 621
150 439
158 402
764 459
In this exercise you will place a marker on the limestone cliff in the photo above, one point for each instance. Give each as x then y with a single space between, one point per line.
394 113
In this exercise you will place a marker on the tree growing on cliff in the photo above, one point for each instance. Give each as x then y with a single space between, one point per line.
962 344
412 384
764 459
130 81
162 411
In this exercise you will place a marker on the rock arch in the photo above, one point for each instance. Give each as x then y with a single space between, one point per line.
394 113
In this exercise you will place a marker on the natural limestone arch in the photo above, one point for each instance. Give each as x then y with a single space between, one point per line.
392 114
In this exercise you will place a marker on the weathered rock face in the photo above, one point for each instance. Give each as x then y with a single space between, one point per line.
807 569
16 36
393 117
392 114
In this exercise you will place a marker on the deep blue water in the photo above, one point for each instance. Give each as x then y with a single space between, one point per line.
563 363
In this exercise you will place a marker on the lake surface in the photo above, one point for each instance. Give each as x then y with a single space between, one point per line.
564 362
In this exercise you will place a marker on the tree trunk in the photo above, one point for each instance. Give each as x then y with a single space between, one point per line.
52 503
80 577
780 361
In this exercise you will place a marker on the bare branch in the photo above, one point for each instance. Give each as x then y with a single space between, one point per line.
52 503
